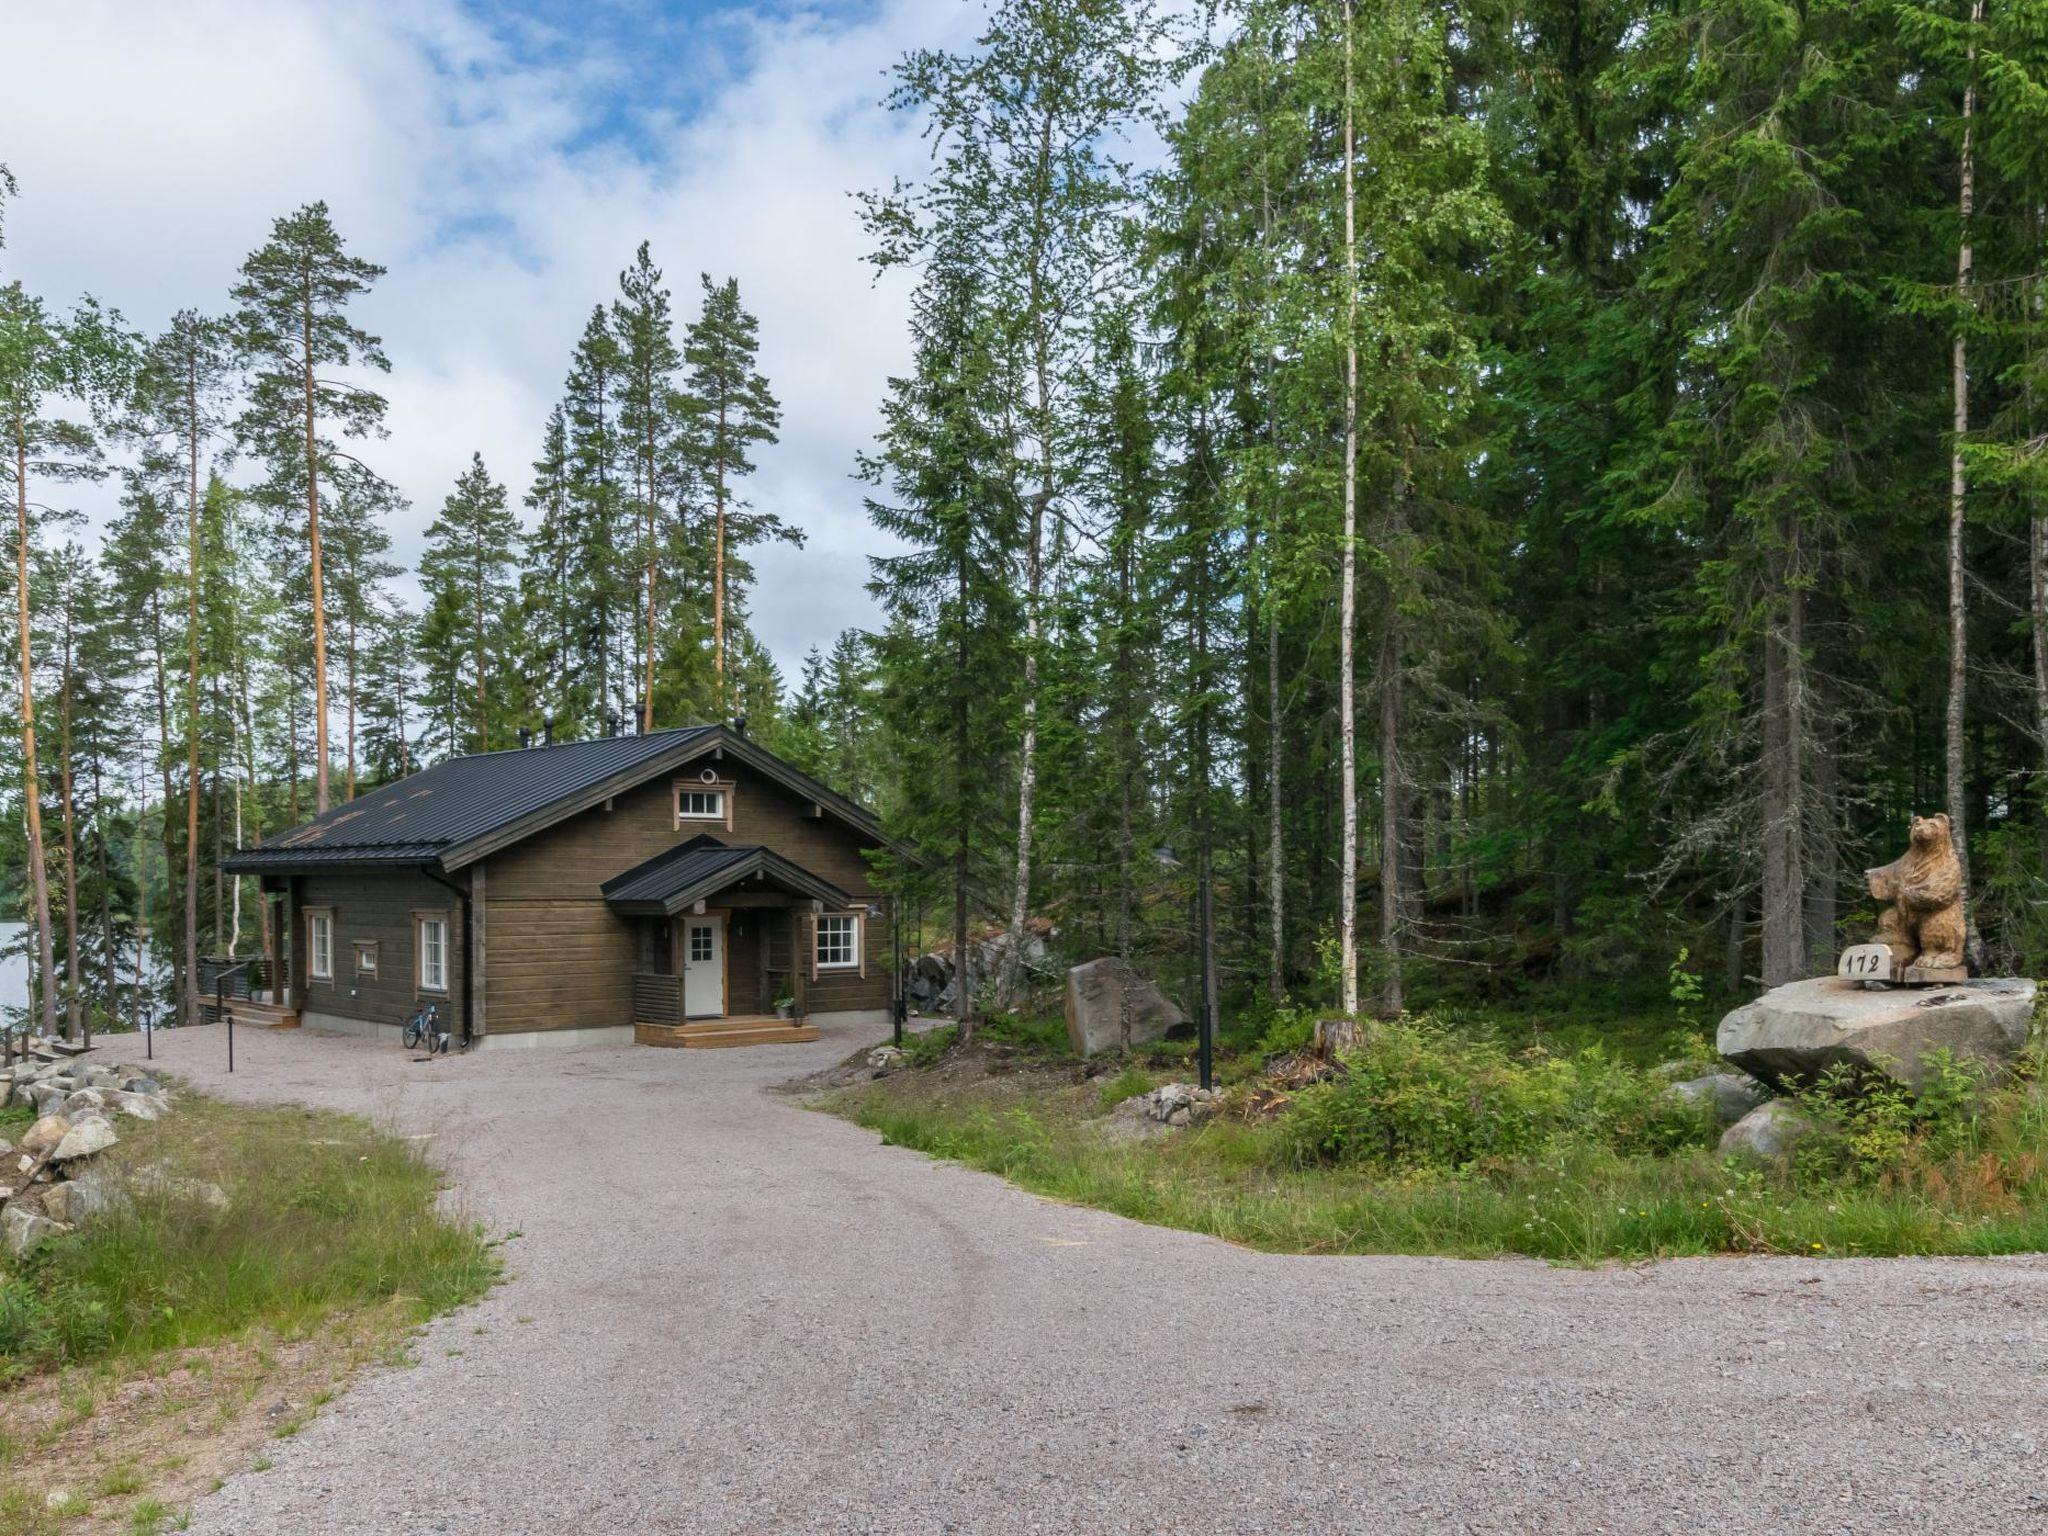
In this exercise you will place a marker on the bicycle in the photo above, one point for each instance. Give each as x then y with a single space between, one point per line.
424 1029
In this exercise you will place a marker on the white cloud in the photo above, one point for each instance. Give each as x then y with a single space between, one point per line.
155 143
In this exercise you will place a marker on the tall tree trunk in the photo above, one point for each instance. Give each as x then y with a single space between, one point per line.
349 661
1824 867
718 562
1784 776
1394 831
1955 755
189 1005
320 798
138 1000
2037 569
1127 746
1276 867
1347 621
31 781
653 574
964 767
72 998
182 980
1027 752
111 1001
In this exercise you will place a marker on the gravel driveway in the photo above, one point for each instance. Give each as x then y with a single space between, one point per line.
726 1313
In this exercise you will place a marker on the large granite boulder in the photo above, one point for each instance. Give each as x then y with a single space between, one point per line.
1110 1007
1768 1132
1798 1031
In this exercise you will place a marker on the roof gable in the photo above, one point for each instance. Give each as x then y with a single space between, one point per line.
460 810
703 866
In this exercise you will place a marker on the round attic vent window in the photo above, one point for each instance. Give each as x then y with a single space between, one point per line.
709 775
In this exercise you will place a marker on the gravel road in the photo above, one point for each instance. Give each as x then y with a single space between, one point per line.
728 1314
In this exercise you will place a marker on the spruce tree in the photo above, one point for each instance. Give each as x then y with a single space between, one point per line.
948 657
467 571
735 413
652 421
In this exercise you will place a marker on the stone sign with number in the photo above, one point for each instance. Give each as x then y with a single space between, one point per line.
1865 962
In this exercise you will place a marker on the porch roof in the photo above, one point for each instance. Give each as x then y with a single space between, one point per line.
703 867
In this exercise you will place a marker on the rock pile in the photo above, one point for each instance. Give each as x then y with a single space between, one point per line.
47 1185
1174 1104
931 981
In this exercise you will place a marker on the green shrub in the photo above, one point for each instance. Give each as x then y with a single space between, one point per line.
1414 1096
1872 1126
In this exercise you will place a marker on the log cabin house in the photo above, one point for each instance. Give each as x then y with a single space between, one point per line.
669 888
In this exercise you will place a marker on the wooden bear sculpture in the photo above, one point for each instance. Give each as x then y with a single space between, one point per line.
1924 925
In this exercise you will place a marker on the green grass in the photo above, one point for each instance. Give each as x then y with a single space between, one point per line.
325 1213
1444 1140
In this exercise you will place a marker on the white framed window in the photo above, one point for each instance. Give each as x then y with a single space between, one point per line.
433 952
838 941
366 957
702 944
320 944
699 801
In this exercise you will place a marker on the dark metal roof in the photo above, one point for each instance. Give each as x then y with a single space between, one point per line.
702 867
441 809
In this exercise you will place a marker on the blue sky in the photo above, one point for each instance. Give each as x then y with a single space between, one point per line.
503 161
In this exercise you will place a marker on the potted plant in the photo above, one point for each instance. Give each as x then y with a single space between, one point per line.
785 1005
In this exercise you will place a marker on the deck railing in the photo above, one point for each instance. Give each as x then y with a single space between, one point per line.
246 977
657 998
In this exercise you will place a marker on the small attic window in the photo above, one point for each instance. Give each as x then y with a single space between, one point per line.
700 802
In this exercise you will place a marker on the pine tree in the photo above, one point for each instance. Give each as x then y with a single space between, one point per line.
292 325
180 409
45 359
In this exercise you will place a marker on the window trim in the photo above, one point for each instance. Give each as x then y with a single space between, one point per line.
373 948
419 950
314 917
723 788
858 963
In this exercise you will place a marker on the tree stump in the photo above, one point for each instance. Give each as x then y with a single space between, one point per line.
1334 1036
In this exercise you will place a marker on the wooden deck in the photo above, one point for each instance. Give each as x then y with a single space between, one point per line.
739 1029
253 1014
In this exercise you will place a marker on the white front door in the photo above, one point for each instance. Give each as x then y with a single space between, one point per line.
704 966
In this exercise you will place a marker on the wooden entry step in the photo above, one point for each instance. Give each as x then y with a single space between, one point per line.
250 1013
711 1034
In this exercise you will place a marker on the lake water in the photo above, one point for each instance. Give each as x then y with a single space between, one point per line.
13 970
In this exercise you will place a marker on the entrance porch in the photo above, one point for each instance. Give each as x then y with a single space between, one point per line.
722 935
